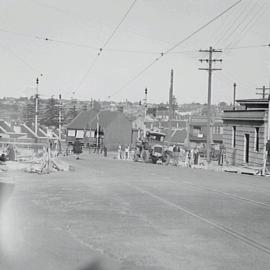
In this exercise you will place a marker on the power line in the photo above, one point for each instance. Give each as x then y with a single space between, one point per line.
250 24
106 43
20 59
175 46
235 26
119 24
47 39
82 45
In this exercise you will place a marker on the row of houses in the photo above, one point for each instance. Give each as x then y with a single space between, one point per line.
116 128
243 131
10 132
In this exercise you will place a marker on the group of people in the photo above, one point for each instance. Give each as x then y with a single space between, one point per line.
123 152
177 153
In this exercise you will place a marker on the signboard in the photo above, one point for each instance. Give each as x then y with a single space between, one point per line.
80 134
71 133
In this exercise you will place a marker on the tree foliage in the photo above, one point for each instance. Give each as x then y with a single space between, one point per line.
50 116
29 112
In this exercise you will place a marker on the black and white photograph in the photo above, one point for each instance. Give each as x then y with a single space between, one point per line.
134 134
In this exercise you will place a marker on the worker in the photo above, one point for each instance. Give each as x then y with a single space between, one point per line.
196 156
77 148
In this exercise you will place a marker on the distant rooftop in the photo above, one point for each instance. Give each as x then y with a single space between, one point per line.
253 103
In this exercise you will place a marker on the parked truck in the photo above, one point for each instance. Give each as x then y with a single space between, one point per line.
151 148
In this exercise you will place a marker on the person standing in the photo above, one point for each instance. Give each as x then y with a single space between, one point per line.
127 152
119 152
77 148
175 157
196 156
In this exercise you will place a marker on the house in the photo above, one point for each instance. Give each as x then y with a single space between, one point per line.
198 130
245 132
114 128
8 131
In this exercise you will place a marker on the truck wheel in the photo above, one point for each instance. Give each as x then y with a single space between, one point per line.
154 160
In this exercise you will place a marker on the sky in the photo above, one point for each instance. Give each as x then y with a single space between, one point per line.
77 29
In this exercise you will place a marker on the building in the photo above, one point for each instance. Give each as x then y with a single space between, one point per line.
114 128
198 130
245 132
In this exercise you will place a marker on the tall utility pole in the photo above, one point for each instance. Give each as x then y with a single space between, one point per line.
171 105
36 107
210 69
145 102
267 139
60 116
263 93
234 94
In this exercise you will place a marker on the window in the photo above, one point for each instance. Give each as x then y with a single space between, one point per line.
80 134
256 139
233 136
71 133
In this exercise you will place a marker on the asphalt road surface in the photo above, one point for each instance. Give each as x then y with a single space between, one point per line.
136 216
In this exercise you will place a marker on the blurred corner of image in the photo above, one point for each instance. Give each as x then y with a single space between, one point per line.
6 190
100 264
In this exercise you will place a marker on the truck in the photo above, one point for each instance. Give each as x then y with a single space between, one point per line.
151 148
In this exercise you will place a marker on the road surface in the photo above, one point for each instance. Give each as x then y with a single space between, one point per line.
136 216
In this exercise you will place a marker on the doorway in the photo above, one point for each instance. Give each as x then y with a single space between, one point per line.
246 148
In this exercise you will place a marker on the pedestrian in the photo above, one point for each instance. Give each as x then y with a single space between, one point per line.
175 158
127 152
188 158
119 152
77 148
221 155
105 151
196 156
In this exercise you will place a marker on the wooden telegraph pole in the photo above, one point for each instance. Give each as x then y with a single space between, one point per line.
171 105
263 91
210 69
36 107
234 94
60 116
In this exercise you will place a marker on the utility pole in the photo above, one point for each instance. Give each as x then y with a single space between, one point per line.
171 104
265 154
60 116
210 69
145 102
263 89
36 108
97 143
234 94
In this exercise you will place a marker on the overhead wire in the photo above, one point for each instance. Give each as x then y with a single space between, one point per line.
250 24
105 44
236 23
11 52
226 24
175 46
82 45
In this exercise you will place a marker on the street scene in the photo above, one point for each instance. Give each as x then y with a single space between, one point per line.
134 135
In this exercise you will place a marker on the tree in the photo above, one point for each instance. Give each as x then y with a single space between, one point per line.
70 114
29 112
50 117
